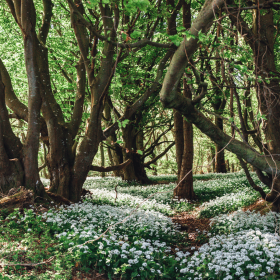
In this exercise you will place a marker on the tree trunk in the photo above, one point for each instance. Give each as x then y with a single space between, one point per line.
102 158
209 158
179 140
62 147
135 171
213 158
115 154
261 39
185 188
154 167
220 164
11 167
227 165
183 129
31 145
60 160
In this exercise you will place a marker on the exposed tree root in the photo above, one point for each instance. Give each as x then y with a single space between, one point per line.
21 199
58 198
24 198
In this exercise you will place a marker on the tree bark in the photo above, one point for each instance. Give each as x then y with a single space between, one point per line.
261 40
99 85
11 166
220 164
179 140
102 158
185 188
115 154
183 129
136 170
31 146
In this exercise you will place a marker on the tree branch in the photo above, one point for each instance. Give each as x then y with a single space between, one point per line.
80 97
251 181
265 179
139 44
47 15
138 104
202 94
150 150
180 58
110 168
159 156
42 167
10 97
27 264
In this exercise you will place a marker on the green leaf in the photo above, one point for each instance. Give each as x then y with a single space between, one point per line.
202 37
139 152
124 123
175 39
135 34
134 274
188 35
124 36
262 117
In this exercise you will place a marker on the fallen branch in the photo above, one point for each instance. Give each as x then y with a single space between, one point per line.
27 264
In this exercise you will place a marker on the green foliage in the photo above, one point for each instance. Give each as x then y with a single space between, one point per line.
123 123
26 238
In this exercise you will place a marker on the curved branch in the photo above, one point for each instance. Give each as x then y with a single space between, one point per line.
10 97
7 137
47 15
110 168
80 97
116 112
159 156
150 150
265 179
11 100
202 94
242 149
42 167
251 181
180 58
80 32
13 10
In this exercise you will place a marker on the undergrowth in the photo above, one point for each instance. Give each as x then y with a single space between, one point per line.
242 245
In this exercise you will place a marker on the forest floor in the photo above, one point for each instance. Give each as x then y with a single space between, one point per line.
164 238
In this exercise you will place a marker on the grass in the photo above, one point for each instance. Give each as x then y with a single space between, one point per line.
242 245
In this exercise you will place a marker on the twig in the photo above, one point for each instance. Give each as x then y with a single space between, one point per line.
27 264
116 193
